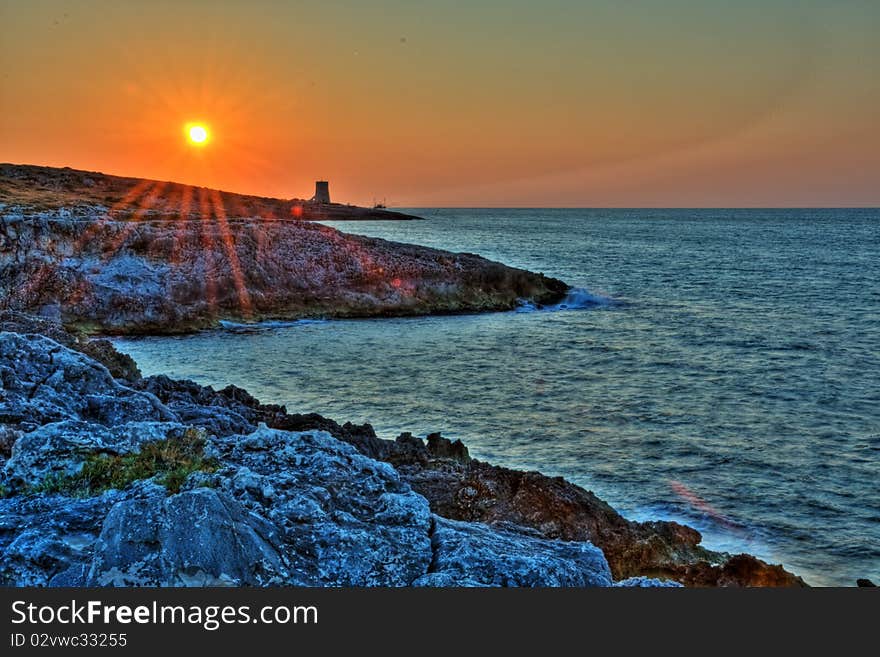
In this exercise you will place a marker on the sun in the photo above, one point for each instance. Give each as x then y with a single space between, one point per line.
197 134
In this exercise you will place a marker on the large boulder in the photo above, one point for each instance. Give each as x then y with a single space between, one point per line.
472 554
200 537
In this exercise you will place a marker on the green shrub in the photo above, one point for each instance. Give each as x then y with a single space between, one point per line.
170 460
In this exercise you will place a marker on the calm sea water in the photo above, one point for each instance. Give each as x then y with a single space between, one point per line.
731 382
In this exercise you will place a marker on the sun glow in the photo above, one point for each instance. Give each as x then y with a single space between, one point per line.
197 134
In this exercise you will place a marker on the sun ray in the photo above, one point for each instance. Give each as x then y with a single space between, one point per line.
87 237
258 230
140 188
89 233
244 299
183 218
144 205
207 248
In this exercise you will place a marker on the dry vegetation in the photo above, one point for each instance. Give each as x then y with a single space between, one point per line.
171 461
39 189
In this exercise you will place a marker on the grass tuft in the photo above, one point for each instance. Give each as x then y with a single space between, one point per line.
171 461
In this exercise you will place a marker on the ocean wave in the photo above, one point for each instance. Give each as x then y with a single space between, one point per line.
578 298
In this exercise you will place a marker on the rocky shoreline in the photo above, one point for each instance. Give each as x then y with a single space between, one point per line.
111 478
175 261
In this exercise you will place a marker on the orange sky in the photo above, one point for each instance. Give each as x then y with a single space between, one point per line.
484 103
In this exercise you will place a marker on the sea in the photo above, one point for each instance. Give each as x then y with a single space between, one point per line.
720 368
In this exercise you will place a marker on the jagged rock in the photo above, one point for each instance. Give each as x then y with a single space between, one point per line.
476 491
202 406
738 570
48 540
42 381
8 436
347 520
233 410
479 555
16 322
286 508
443 448
120 366
479 492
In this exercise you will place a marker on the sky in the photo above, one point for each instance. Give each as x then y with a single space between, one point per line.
478 103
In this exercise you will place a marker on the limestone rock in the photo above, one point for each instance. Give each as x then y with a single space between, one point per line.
347 520
121 366
200 537
480 555
48 540
43 381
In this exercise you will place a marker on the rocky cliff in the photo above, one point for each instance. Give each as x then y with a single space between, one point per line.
147 264
108 478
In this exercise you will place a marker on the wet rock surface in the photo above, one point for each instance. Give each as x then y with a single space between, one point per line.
462 488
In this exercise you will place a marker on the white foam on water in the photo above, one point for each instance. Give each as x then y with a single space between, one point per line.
578 298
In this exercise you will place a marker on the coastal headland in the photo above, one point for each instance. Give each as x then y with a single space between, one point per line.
173 262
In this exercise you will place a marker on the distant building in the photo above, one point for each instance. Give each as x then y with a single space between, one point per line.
322 192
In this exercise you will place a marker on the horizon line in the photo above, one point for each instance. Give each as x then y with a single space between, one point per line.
633 207
477 207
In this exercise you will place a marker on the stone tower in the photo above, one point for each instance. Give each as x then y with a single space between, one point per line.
322 192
